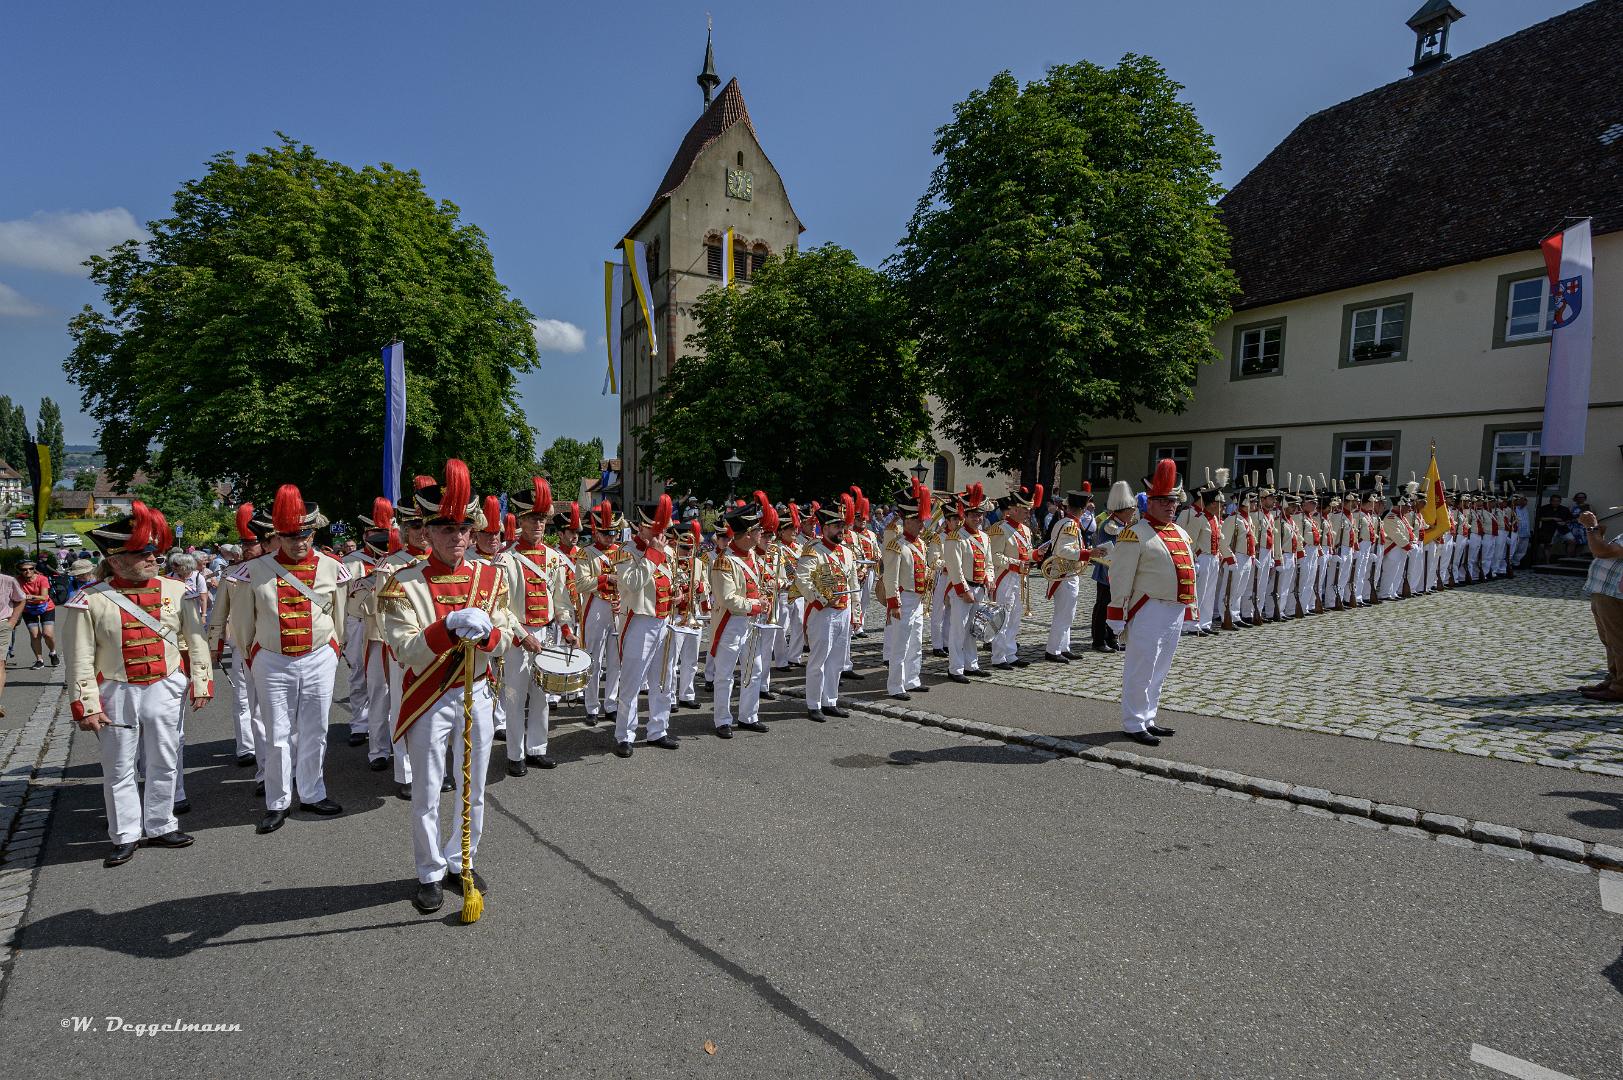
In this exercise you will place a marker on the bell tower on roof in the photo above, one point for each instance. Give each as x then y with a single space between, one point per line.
1430 25
708 79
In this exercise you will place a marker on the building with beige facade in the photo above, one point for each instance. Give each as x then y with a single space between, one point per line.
1393 291
720 178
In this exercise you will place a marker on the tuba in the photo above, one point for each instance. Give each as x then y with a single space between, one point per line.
985 621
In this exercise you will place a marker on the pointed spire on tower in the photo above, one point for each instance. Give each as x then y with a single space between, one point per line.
708 80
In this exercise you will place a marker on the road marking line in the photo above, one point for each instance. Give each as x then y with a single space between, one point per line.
1513 1066
1611 892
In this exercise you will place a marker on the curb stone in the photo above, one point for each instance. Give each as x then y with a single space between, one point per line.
1504 840
33 766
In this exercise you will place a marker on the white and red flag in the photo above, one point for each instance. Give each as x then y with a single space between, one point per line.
1571 266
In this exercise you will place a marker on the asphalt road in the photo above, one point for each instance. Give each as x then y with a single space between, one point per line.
854 899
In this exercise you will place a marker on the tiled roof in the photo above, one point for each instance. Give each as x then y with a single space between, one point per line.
69 499
8 473
105 489
1480 157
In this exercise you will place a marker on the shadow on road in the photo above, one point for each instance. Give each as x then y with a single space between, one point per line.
173 928
1608 814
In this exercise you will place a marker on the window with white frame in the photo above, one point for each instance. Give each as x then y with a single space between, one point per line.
1254 457
1260 350
1515 456
1101 467
1527 309
1179 453
1363 457
1377 333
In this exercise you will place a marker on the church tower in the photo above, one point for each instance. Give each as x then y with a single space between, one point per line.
720 179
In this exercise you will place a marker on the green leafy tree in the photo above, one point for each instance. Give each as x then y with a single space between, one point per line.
84 480
13 434
569 461
187 500
50 433
809 374
1066 262
241 342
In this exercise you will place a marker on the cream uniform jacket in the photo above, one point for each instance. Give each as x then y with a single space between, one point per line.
731 576
93 640
259 608
904 566
1238 536
1150 562
556 571
960 553
645 582
831 566
1011 549
1199 529
1395 532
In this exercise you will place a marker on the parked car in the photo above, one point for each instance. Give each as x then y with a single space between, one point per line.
47 538
72 540
15 528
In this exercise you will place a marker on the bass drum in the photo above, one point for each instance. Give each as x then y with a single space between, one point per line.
561 670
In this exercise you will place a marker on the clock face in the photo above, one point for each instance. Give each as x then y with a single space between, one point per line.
740 184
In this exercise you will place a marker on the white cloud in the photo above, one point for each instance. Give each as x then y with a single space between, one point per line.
555 335
59 241
14 304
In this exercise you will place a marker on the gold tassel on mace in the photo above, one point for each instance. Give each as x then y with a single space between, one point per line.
473 905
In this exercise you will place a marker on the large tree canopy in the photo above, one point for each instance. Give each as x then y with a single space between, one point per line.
1066 262
569 461
808 374
241 342
49 432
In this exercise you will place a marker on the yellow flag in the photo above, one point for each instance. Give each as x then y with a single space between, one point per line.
1435 515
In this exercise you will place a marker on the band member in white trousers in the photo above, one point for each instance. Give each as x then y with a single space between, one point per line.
826 572
905 573
645 583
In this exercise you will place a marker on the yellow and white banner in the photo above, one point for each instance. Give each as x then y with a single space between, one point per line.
611 324
727 260
637 259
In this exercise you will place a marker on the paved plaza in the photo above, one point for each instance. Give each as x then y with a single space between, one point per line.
1489 670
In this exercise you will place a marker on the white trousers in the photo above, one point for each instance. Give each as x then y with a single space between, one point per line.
295 695
528 710
149 718
827 630
792 641
243 706
642 649
1237 586
686 649
1518 548
1262 573
1307 579
425 743
1369 567
1280 590
962 654
1208 570
905 632
380 713
1006 645
938 612
1501 553
728 649
1059 631
1152 638
597 636
1394 565
1473 559
355 657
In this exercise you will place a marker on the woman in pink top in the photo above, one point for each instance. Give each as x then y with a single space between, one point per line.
39 612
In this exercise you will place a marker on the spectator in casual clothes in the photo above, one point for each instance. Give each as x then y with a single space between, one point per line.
81 575
39 612
1552 520
12 599
1604 587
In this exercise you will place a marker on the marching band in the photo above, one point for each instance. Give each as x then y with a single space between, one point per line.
463 625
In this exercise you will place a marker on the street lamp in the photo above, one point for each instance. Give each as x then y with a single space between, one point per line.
919 469
734 465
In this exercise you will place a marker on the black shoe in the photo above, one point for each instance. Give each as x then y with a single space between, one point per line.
709 687
1022 663
754 725
665 742
1100 646
121 854
938 652
447 784
170 839
766 695
1159 731
836 710
1004 667
430 897
540 761
622 749
1056 658
816 716
259 790
324 808
1069 655
378 764
903 696
590 719
978 673
500 735
850 676
453 881
1143 737
725 731
357 738
245 761
920 690
694 704
184 806
404 792
956 677
36 665
271 821
1116 646
517 768
55 660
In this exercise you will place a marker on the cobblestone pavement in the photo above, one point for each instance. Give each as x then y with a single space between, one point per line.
1489 670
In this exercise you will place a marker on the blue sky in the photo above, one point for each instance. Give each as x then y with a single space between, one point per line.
550 124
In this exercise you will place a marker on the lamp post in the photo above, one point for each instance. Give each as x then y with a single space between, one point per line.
734 465
919 469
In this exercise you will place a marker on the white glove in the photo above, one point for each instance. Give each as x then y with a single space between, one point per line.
470 624
1117 626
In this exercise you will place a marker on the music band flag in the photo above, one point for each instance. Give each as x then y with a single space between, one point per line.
1568 258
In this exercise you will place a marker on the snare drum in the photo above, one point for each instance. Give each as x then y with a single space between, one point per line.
561 670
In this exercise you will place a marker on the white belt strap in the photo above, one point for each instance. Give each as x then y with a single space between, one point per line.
136 612
302 589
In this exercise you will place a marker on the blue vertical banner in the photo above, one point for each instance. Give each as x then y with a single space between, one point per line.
394 417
